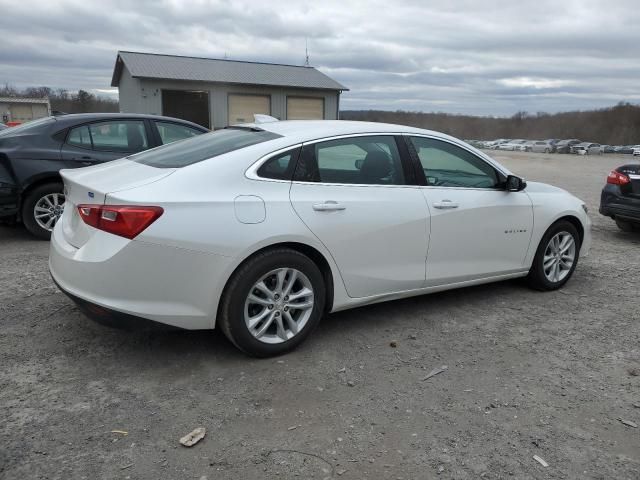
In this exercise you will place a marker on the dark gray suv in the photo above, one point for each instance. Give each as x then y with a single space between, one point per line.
31 155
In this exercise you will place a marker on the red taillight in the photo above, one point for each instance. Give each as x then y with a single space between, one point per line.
124 220
617 178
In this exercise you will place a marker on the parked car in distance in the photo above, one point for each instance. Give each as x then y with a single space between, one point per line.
636 151
511 145
527 146
586 148
493 144
261 229
620 198
608 149
564 146
543 146
625 149
31 155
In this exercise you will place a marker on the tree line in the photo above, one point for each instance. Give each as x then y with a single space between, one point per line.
63 100
617 125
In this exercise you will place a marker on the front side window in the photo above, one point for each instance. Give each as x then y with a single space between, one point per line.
172 132
281 166
366 160
119 136
447 165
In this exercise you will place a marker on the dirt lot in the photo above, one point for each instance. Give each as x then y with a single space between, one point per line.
529 373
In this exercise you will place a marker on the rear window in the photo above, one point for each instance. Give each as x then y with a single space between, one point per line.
196 149
29 127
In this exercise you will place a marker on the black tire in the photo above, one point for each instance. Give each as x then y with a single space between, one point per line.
29 203
626 226
537 278
231 313
546 150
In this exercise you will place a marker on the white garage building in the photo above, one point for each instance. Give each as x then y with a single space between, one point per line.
216 93
17 110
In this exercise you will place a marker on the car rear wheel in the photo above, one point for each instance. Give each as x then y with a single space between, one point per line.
546 150
42 208
272 303
556 257
627 226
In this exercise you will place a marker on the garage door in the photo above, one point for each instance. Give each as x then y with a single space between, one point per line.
305 108
39 111
21 113
243 107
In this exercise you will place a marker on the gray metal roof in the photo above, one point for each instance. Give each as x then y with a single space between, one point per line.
24 100
148 65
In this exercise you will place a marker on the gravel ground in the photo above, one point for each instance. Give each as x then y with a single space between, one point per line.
529 373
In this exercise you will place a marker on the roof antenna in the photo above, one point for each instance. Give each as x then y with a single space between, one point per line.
306 52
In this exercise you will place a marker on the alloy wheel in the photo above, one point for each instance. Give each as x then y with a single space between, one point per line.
559 257
48 210
279 305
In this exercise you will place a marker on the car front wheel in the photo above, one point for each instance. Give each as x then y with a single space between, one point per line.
556 257
272 302
42 208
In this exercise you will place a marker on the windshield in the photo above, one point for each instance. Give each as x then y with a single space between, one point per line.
196 149
26 127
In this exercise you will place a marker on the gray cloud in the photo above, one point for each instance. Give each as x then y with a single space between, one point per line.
462 56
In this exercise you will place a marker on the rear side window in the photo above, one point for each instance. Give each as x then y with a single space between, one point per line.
202 147
363 160
281 166
172 132
80 137
116 136
119 136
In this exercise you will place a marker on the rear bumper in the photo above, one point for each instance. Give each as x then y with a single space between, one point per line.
9 199
122 282
113 318
615 205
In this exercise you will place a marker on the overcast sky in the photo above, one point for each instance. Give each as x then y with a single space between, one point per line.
460 56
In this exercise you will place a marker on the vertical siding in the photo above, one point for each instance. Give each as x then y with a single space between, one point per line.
129 93
145 96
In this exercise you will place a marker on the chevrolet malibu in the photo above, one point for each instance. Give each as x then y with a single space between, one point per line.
261 229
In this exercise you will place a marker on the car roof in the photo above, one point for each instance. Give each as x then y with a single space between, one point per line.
73 118
305 130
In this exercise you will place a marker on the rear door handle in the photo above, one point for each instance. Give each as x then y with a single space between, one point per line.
445 205
328 206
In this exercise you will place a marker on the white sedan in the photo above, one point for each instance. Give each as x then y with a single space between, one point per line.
261 229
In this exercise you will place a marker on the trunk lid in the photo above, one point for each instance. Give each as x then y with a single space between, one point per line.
91 185
633 172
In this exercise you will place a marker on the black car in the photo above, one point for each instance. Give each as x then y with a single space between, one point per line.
564 146
31 155
620 197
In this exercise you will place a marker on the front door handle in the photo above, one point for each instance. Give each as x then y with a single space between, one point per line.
328 206
445 205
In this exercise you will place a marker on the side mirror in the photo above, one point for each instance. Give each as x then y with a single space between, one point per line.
515 184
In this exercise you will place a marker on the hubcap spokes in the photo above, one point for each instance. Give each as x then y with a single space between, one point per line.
48 210
559 257
279 305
